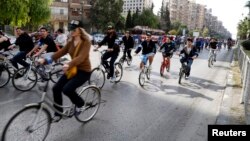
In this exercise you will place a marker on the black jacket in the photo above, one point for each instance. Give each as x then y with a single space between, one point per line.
146 47
128 42
25 42
111 43
168 47
192 53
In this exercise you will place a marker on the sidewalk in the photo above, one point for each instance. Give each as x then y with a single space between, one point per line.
231 111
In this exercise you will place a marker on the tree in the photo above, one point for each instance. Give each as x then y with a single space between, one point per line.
129 23
135 18
165 19
23 12
147 18
243 28
104 11
173 32
152 7
205 32
39 12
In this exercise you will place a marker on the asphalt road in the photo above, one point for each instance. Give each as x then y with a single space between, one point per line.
161 111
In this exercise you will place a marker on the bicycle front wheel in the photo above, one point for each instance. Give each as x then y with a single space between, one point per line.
142 78
24 79
129 61
148 73
29 124
92 97
4 76
118 72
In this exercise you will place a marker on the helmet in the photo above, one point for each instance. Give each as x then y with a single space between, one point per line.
74 24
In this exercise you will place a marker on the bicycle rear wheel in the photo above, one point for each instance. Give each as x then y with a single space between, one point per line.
118 72
22 126
24 79
148 73
181 75
92 97
97 77
4 76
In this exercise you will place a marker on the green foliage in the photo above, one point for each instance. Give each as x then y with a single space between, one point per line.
205 32
173 32
165 19
246 44
23 12
129 23
135 18
242 28
178 27
104 11
147 18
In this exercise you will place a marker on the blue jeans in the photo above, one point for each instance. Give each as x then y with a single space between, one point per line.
189 64
19 58
68 87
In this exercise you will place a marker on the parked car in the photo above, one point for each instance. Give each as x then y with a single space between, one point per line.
98 38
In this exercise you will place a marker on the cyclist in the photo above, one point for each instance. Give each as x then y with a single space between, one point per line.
148 51
46 43
61 38
128 42
213 47
80 43
25 43
229 43
112 51
169 48
190 54
4 41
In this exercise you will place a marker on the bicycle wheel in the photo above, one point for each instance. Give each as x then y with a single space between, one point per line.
148 73
24 79
162 69
92 98
55 75
22 126
118 72
210 61
180 75
97 78
4 76
121 60
142 78
129 61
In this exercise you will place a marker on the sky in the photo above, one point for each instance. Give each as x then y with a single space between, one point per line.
230 12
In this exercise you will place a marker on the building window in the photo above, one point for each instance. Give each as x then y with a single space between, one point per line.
61 11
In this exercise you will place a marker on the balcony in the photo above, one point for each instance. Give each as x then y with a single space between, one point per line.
59 4
58 17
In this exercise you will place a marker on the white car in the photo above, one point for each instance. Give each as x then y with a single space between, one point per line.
98 38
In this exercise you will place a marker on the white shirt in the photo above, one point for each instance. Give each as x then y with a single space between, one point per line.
61 39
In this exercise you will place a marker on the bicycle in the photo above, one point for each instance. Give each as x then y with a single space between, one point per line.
127 59
183 70
31 73
145 73
165 64
211 58
98 74
36 116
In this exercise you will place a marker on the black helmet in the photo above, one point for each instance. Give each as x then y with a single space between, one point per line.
74 24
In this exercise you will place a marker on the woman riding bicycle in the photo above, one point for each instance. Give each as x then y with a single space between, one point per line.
190 54
78 47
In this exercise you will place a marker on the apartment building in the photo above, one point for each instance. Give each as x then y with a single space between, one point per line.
132 5
59 14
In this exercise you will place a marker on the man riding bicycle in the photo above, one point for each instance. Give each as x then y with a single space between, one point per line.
128 42
213 47
169 48
148 51
190 54
112 51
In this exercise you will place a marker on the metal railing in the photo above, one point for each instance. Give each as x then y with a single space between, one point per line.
244 64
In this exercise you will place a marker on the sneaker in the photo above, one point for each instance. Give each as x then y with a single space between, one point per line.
56 118
108 76
78 111
187 77
112 79
150 67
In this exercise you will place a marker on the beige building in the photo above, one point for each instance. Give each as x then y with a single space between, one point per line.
132 5
63 11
